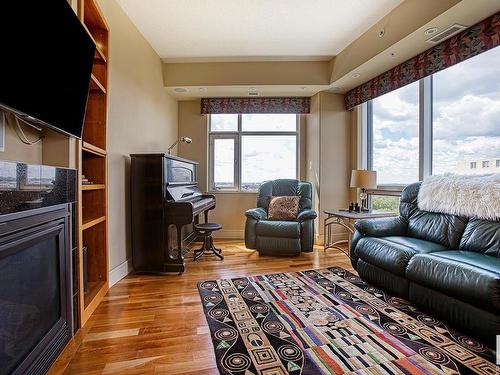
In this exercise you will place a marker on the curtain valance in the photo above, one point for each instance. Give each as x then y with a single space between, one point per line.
469 43
255 105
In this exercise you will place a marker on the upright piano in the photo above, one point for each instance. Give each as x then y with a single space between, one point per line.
165 202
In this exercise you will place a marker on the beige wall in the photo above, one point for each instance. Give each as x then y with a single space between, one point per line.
329 154
142 117
16 150
247 73
335 161
313 151
230 207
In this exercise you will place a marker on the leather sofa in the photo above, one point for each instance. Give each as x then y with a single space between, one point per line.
447 265
274 237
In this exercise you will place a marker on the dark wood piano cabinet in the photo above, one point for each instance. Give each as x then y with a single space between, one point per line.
165 201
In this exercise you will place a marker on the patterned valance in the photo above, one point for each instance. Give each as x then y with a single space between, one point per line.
255 105
469 43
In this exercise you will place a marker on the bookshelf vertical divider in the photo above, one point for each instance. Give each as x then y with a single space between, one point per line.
92 160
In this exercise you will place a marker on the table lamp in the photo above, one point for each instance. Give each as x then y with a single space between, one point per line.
363 180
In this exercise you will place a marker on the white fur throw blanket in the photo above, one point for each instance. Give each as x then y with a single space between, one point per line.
471 196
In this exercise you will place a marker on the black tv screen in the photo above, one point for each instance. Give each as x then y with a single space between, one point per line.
45 64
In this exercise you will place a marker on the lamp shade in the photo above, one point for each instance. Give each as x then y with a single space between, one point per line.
363 179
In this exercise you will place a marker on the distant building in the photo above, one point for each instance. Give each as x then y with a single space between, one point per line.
479 166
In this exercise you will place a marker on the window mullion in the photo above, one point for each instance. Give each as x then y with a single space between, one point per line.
238 165
368 136
425 127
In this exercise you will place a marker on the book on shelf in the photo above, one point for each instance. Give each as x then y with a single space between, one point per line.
85 181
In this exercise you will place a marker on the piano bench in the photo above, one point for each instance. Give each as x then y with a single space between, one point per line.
205 230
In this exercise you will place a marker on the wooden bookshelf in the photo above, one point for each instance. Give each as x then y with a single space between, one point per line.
93 163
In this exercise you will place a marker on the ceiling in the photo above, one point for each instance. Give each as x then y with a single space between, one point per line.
235 30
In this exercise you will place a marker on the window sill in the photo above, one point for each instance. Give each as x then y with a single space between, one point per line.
387 190
232 192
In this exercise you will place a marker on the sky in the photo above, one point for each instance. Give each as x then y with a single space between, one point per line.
466 121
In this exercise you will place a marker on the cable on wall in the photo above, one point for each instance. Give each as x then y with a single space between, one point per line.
22 136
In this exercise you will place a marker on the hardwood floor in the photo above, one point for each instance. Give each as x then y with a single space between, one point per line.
155 324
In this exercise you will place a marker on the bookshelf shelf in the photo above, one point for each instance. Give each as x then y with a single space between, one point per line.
94 150
93 187
89 223
96 86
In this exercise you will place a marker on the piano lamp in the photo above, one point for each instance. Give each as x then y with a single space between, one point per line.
363 180
183 139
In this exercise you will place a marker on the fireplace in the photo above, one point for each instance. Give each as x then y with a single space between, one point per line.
36 290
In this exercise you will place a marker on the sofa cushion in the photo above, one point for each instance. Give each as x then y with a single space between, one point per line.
471 277
283 208
393 253
482 236
443 229
275 228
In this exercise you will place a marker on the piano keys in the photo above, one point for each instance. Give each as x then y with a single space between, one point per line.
165 202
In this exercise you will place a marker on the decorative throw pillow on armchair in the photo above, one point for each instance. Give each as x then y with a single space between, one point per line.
283 208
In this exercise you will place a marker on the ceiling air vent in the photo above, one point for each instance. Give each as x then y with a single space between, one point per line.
447 33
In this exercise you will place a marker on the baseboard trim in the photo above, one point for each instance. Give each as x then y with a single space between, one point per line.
230 234
119 272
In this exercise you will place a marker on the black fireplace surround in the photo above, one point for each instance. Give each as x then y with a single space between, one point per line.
36 241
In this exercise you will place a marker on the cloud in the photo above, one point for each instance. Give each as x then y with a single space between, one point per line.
477 76
468 116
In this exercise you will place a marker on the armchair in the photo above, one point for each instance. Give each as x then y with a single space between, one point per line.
278 237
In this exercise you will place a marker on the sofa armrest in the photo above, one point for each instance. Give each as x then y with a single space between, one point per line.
256 213
382 227
306 215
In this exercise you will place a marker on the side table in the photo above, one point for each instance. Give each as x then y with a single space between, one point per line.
346 219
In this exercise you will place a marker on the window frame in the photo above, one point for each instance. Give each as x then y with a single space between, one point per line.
425 95
237 136
424 134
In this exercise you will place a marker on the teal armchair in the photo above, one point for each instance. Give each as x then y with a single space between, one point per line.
275 237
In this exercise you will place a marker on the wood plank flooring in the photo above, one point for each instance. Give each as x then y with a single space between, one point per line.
155 324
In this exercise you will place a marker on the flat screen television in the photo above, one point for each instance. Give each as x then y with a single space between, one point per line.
45 63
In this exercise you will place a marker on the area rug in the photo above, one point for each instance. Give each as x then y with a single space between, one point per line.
329 321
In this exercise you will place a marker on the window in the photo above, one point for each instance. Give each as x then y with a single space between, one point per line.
386 203
448 122
466 113
394 136
247 149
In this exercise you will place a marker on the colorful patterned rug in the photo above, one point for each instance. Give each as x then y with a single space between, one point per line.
329 321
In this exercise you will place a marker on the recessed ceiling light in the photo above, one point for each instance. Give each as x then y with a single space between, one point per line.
356 75
202 89
431 30
252 89
180 89
393 54
303 88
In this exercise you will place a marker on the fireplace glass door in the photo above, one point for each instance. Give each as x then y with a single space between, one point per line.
33 294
